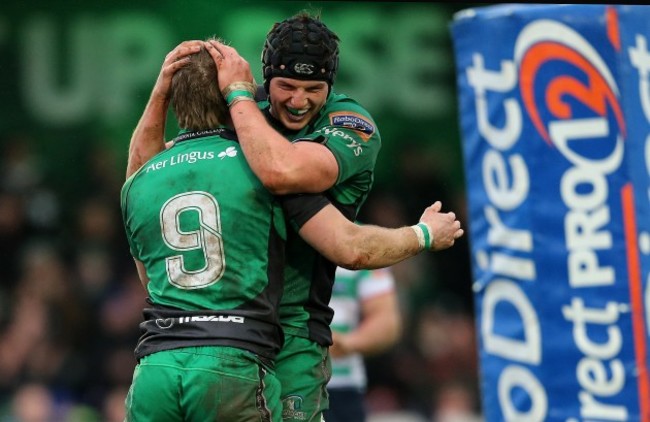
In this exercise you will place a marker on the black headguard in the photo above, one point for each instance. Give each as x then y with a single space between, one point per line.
300 47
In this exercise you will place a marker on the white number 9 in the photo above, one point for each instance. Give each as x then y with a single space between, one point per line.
207 238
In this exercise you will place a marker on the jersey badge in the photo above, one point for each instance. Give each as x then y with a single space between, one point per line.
292 408
353 121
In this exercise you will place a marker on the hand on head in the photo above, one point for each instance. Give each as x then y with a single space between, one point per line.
174 60
231 67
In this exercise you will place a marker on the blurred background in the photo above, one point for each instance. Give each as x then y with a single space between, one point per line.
74 78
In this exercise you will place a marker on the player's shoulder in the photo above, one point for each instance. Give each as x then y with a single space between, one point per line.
126 187
341 102
150 164
125 192
128 183
345 112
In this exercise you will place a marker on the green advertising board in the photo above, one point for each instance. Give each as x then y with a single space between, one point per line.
78 72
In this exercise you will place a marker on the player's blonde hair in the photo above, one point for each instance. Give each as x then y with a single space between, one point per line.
195 95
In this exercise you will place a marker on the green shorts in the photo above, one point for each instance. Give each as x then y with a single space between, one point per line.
203 384
304 369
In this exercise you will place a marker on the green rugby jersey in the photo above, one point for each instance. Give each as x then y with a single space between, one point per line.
212 240
351 134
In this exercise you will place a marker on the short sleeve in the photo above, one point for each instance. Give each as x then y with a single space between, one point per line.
300 208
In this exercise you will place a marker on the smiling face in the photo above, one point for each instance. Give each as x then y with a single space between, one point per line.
295 102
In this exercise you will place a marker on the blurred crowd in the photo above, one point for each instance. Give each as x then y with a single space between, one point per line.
71 302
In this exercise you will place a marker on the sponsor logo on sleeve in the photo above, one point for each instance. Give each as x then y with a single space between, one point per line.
353 121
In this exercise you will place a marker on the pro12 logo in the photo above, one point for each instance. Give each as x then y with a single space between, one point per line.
570 94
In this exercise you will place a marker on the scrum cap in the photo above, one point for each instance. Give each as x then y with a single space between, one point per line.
300 47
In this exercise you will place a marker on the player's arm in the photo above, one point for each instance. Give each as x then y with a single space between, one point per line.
148 138
355 246
282 166
380 327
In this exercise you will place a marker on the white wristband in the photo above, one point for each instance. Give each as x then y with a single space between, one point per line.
423 234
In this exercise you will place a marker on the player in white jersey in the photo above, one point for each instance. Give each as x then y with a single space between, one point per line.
366 321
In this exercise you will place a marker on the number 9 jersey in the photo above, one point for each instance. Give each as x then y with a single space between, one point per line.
211 239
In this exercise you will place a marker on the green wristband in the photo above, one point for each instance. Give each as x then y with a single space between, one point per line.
238 93
427 235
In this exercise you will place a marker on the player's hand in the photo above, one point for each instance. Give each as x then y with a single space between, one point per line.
444 226
174 60
231 67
